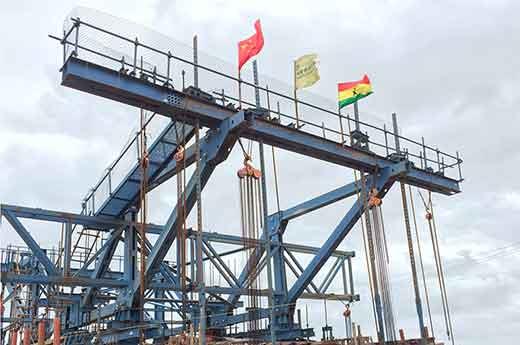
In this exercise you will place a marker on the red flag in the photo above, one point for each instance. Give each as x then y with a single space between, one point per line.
250 46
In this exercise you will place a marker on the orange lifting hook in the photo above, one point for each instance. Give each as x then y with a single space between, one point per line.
374 200
179 155
248 169
347 311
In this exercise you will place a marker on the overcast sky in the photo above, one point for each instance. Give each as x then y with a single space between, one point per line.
450 70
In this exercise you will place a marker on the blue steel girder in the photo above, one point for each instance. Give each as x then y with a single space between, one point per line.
214 150
102 223
384 179
160 154
108 83
112 84
123 88
311 145
239 240
382 182
16 278
31 243
104 262
277 252
278 222
170 169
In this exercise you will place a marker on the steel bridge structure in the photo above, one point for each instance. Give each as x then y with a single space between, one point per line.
94 291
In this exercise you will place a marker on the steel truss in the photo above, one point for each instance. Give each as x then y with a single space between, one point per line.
100 294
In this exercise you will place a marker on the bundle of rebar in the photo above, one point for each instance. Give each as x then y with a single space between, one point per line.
251 223
382 261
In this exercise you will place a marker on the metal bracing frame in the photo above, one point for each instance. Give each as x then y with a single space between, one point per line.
278 221
382 183
214 150
29 240
225 125
104 82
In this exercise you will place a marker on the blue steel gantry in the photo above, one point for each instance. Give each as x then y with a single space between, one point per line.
93 290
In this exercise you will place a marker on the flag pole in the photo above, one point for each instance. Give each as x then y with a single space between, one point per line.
341 126
296 99
239 91
356 115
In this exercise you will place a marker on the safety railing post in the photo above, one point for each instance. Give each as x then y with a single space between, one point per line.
110 181
396 133
424 154
93 201
76 38
386 140
136 44
458 164
168 58
64 44
438 159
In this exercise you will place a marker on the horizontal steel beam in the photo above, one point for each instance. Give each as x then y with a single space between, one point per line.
102 223
239 240
7 277
112 84
124 88
291 139
382 183
323 200
329 297
29 240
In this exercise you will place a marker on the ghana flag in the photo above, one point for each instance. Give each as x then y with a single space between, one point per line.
351 91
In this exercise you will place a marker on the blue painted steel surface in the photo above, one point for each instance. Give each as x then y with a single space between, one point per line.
226 126
103 223
382 182
31 243
160 154
108 83
214 150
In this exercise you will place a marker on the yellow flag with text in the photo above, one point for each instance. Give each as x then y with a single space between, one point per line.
306 71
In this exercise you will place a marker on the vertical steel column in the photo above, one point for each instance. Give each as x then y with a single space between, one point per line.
418 302
280 277
130 250
67 250
266 233
159 307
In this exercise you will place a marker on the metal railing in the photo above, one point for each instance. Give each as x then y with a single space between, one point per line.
156 65
21 259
